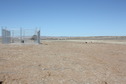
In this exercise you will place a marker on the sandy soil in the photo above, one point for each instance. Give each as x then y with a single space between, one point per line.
63 63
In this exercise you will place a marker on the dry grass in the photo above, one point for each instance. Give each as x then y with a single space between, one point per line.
63 63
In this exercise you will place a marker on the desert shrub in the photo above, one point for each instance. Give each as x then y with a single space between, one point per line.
34 37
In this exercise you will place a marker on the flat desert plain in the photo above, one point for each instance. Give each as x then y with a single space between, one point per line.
63 62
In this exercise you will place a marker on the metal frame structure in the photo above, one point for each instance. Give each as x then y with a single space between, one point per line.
20 35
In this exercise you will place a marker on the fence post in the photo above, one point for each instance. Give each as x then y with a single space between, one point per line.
3 36
38 37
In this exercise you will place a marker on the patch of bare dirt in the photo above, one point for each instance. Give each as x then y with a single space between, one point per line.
63 63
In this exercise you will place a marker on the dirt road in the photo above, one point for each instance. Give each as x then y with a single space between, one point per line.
63 63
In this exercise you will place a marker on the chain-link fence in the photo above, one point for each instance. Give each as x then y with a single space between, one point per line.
20 35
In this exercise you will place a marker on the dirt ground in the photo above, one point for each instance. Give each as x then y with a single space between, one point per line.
63 62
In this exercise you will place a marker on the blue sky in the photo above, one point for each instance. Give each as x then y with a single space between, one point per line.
66 17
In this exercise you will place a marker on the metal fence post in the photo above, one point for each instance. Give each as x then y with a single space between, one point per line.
38 37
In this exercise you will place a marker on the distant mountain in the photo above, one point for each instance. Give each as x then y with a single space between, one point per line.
84 38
